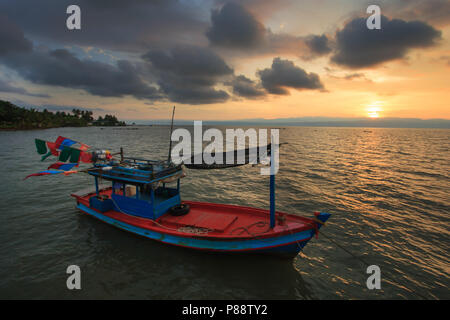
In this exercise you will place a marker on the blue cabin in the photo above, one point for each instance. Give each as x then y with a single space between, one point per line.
139 187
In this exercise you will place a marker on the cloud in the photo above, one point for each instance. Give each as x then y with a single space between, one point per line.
234 27
12 39
188 74
245 87
435 12
284 74
446 59
359 47
356 75
6 87
319 45
61 68
130 26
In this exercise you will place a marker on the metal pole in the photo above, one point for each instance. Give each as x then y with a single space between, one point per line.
272 188
170 137
152 197
96 185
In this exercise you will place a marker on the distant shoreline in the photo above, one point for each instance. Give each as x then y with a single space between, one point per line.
13 117
309 125
29 129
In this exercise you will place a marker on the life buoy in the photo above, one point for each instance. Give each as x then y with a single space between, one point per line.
179 210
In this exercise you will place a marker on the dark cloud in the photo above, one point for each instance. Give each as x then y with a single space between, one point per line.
319 45
8 88
234 27
188 74
358 46
263 9
245 87
191 61
61 68
12 39
111 24
284 74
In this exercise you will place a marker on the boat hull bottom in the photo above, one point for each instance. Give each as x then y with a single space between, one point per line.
286 251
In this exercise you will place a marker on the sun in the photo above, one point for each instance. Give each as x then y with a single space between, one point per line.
374 109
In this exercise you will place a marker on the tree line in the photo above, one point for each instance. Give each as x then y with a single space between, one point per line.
14 117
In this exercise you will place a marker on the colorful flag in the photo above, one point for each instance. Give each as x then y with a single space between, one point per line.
64 142
62 166
66 173
65 154
75 155
64 148
41 147
45 156
86 157
52 147
83 147
43 173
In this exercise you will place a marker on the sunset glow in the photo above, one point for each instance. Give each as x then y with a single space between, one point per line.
228 60
374 109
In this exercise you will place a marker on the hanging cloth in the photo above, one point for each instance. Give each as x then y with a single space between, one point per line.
75 155
43 173
65 154
41 146
64 142
45 156
62 166
52 147
86 157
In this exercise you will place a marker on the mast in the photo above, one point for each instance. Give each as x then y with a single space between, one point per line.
272 187
170 137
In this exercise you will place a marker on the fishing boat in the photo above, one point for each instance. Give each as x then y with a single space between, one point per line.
143 197
139 200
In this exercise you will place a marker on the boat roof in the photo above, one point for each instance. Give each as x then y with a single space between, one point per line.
135 171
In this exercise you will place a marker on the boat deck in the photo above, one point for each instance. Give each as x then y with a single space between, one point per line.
214 221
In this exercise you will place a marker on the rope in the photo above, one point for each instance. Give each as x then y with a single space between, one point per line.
345 249
246 229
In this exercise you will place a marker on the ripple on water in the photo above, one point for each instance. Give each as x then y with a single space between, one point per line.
386 188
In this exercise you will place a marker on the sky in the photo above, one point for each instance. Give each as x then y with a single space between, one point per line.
228 60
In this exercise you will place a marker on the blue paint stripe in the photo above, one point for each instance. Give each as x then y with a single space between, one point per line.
105 175
259 244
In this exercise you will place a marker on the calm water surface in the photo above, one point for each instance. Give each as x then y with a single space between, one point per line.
388 191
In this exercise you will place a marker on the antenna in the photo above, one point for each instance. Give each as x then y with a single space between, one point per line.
170 137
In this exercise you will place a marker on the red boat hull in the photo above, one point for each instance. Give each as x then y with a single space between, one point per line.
217 227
